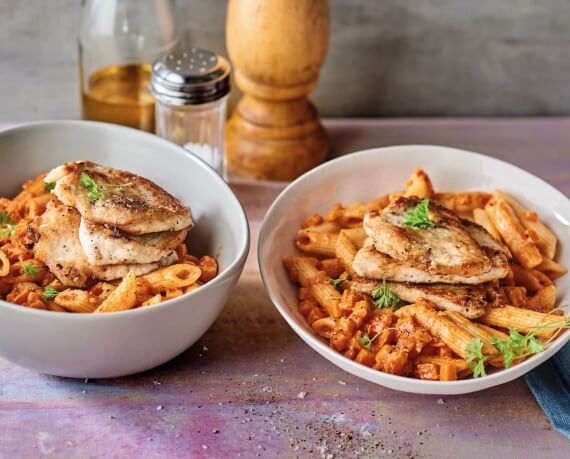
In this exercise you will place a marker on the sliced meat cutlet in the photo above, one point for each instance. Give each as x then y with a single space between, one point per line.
445 248
58 246
106 245
372 264
471 301
118 198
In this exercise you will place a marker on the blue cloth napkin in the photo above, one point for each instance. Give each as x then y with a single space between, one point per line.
550 385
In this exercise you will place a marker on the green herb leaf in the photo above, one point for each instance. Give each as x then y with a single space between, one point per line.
534 346
475 358
517 345
419 217
337 283
30 269
48 186
7 226
384 297
50 293
505 347
91 186
366 342
5 218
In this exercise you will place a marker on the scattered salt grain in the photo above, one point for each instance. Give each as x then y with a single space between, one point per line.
159 408
215 431
204 447
342 383
156 383
282 360
440 401
301 395
204 348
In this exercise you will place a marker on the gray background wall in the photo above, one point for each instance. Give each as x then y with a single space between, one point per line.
387 57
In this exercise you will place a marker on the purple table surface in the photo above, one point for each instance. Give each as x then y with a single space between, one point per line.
236 393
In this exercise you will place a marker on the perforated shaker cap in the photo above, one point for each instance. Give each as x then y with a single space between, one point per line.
190 76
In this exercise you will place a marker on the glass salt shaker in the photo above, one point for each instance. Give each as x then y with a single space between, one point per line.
191 87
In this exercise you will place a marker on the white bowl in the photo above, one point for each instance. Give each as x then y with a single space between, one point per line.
121 343
371 173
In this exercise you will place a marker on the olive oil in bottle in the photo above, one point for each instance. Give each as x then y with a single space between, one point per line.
118 42
120 94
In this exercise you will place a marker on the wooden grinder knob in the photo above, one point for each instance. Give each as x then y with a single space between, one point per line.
277 48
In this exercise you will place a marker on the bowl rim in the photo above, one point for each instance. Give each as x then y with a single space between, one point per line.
336 358
235 266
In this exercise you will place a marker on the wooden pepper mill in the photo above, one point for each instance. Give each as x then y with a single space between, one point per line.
277 48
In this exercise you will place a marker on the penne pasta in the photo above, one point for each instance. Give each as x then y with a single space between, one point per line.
513 233
304 271
551 269
531 279
459 364
123 297
545 239
357 236
515 296
493 331
328 297
419 184
544 300
481 218
475 331
173 277
76 300
324 327
463 201
333 267
442 327
345 251
324 227
208 269
152 300
316 243
4 264
542 325
447 372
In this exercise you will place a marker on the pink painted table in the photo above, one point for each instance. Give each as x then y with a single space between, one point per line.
235 393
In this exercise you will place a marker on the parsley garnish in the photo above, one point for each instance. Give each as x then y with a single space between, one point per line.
48 186
50 293
337 283
91 186
419 217
384 297
366 342
475 358
30 269
7 226
516 345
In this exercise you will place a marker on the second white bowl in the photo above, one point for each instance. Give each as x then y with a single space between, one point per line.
368 174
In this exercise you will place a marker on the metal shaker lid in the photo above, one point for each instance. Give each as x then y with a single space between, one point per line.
190 76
